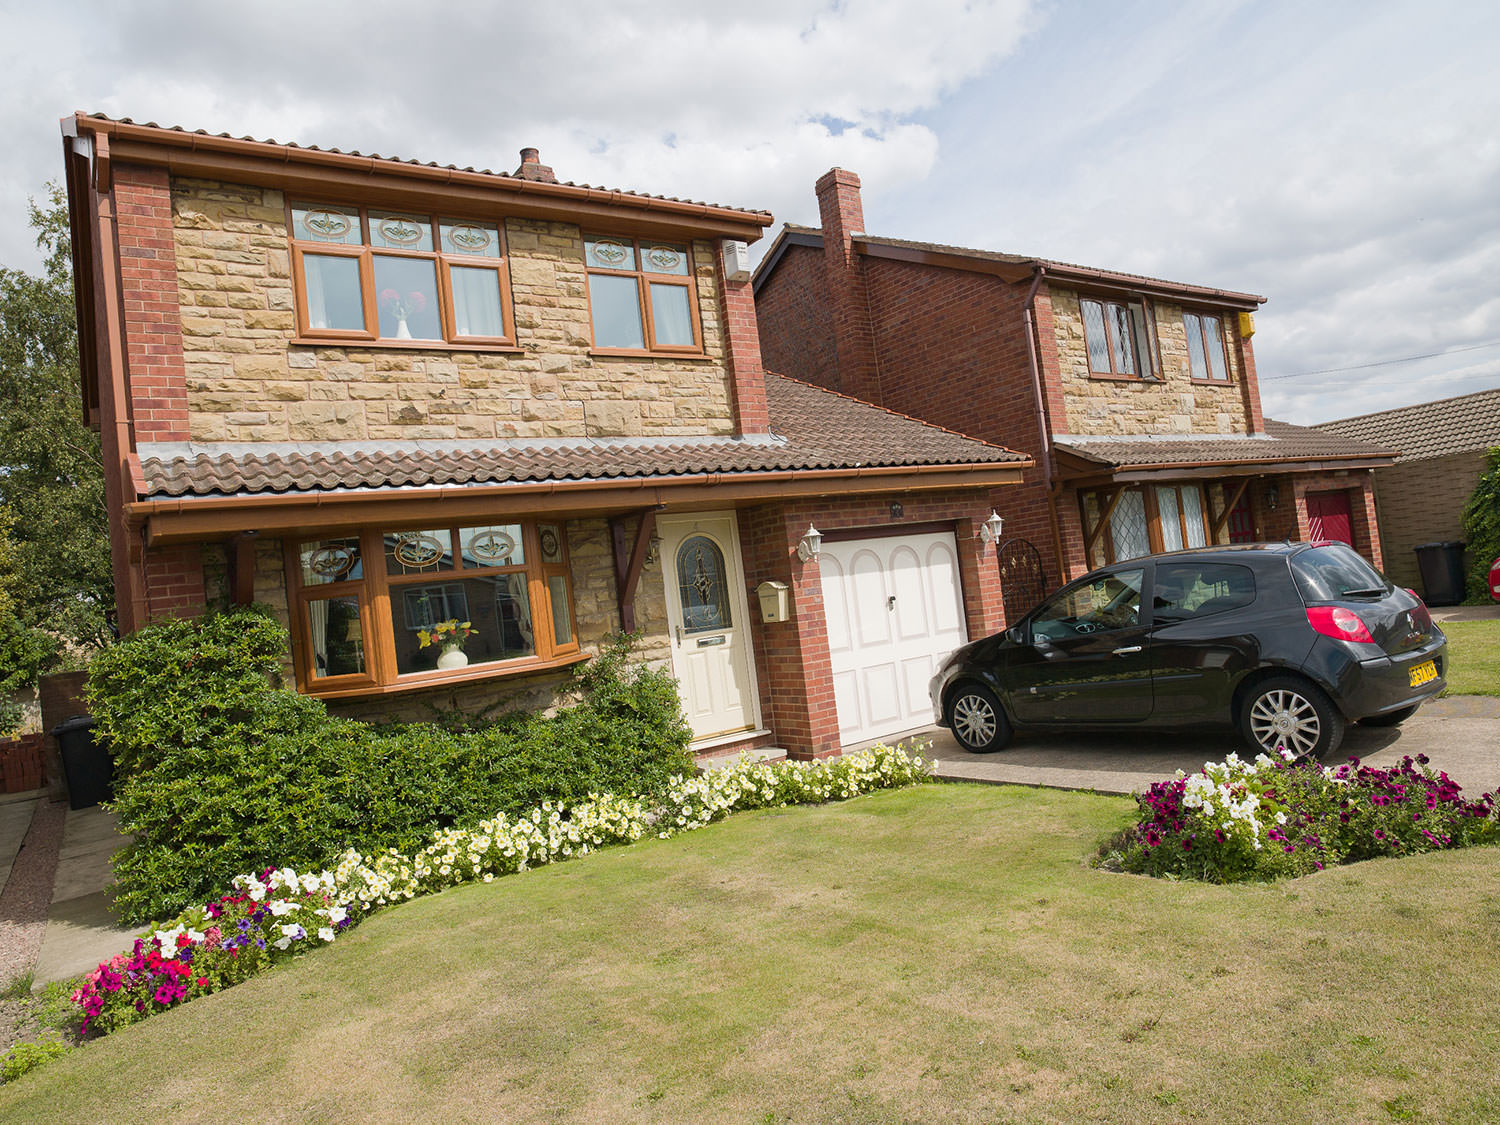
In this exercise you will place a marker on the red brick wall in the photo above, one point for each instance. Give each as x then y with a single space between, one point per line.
1289 519
842 216
796 324
792 660
747 376
153 329
174 581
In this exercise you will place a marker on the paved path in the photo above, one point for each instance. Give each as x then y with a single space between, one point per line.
1461 735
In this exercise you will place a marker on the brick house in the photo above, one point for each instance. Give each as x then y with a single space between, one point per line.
1421 497
1136 397
378 395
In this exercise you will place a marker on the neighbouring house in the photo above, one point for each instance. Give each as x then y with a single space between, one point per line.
1442 449
378 395
1136 397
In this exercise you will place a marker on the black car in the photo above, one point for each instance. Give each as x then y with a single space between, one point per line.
1289 642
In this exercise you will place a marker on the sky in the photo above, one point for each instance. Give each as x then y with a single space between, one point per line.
1340 159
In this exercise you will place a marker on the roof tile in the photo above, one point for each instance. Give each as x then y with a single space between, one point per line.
1282 442
1464 424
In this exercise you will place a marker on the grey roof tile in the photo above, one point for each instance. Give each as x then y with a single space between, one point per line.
1464 424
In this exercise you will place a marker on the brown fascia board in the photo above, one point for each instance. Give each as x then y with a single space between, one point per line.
198 518
1076 471
363 179
1016 271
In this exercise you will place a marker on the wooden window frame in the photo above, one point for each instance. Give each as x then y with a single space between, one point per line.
376 589
1150 367
365 253
1201 316
1104 503
644 279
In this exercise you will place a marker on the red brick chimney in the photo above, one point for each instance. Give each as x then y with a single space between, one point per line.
843 216
532 167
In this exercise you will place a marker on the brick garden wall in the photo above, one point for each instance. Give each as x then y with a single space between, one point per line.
1422 502
21 763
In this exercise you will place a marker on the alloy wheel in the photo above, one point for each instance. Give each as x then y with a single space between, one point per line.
1283 717
974 720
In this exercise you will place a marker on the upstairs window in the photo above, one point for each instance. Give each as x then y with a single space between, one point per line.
1120 339
1207 359
371 274
642 295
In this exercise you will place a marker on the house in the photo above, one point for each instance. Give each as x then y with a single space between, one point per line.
1421 497
1136 397
378 395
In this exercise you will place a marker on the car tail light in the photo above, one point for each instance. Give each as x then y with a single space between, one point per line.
1420 615
1339 623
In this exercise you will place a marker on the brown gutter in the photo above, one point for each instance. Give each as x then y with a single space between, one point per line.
186 153
1044 420
184 518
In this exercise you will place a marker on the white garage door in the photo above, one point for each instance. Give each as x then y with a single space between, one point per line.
894 611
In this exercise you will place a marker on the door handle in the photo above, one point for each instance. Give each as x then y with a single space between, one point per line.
679 636
890 602
1127 650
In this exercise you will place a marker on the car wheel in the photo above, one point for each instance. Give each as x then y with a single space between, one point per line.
977 720
1390 718
1287 712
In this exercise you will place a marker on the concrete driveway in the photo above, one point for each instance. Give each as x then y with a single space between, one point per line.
1461 735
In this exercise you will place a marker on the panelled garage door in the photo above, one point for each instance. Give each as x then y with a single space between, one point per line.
894 611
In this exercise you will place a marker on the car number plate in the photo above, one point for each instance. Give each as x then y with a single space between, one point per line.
1423 673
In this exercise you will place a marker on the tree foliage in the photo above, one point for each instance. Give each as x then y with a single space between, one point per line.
55 551
1482 529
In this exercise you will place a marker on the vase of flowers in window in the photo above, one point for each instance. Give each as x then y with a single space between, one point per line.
401 307
449 636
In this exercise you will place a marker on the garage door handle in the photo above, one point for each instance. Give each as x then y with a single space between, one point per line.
1127 650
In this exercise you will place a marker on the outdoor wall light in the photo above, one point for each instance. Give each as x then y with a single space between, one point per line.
653 549
811 543
989 531
1273 494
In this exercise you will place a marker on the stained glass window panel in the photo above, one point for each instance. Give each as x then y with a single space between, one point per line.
330 560
392 230
321 223
664 258
702 585
418 552
492 545
479 240
609 254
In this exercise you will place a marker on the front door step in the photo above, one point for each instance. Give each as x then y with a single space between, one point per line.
759 754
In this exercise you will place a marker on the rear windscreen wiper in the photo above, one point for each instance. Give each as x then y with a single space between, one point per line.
1370 593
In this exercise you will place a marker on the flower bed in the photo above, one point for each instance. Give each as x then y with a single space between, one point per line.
269 917
1274 817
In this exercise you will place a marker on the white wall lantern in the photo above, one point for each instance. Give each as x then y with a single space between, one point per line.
810 544
989 531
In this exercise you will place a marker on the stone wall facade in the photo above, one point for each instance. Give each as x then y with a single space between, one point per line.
1423 502
1176 405
247 380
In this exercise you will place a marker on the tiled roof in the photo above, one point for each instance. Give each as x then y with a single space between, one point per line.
765 215
1281 442
813 429
1028 260
1466 424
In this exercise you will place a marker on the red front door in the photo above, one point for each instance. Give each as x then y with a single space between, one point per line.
1328 517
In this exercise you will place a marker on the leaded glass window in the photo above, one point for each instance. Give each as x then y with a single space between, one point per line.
703 587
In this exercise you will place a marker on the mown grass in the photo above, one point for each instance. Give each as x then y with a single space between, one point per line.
944 953
1473 657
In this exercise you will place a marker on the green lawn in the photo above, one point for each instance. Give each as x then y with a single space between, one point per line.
1474 657
943 953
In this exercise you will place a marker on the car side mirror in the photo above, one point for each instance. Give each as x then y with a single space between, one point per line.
1017 635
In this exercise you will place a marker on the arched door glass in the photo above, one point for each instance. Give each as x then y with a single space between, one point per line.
702 585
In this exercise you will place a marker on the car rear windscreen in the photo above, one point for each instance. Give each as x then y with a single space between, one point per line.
1333 572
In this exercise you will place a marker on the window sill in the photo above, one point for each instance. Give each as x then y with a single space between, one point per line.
402 345
633 353
428 680
1105 377
1212 382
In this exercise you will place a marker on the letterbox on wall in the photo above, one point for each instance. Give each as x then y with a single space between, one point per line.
775 601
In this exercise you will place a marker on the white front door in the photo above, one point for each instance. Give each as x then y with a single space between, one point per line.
709 620
895 611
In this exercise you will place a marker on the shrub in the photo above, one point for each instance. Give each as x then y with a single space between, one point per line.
1482 529
1269 818
24 1057
220 772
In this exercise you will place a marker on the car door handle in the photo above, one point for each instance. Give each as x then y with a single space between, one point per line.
1127 650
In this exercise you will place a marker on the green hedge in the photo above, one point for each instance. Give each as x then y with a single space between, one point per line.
1482 529
218 772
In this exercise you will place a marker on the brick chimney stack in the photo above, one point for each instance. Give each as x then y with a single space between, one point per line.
843 216
532 167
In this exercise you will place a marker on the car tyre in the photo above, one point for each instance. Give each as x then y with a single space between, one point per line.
977 720
1291 712
1390 718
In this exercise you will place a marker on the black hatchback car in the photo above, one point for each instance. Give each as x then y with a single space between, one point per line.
1289 642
